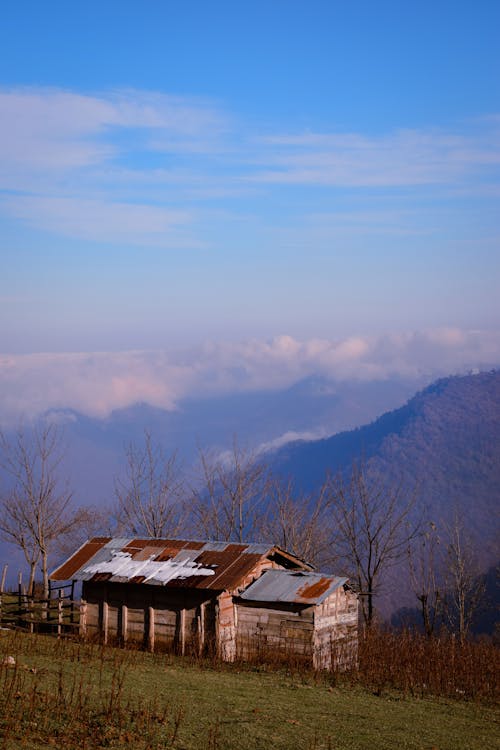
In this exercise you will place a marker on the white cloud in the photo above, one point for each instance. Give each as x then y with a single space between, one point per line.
53 129
97 383
64 159
408 157
103 221
290 437
66 156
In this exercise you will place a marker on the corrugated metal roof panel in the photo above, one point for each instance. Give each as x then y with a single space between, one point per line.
215 546
118 542
122 566
257 549
297 587
166 562
231 575
87 551
185 555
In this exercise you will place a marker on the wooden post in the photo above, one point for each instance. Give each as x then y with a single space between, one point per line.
218 648
151 629
20 592
31 610
72 609
182 633
124 632
104 623
59 612
201 629
83 618
2 585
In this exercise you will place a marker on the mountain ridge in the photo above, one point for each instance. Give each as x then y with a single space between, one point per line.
444 442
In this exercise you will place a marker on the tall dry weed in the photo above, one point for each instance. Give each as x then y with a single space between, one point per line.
419 665
60 706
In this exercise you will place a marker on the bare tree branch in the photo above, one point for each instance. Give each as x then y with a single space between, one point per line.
464 584
424 564
299 523
34 510
149 498
372 528
228 495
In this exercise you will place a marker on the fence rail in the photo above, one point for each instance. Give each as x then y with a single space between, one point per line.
58 614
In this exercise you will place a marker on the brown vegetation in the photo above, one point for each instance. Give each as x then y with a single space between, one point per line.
79 694
420 666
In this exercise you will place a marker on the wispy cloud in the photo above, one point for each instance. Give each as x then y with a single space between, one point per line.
103 221
134 166
97 383
400 158
76 130
61 152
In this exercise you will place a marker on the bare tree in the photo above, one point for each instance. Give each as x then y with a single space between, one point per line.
371 530
89 521
425 567
15 530
228 495
464 584
149 499
299 523
34 510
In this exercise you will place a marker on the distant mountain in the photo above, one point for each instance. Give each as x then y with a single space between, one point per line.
444 443
95 448
312 407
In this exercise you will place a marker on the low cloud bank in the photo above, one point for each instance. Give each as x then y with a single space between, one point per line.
97 383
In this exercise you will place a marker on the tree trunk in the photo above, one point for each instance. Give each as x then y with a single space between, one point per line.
45 575
369 620
31 582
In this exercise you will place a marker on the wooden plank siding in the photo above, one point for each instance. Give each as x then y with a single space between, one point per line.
336 631
170 619
273 631
323 635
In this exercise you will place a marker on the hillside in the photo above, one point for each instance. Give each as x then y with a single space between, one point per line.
75 695
445 443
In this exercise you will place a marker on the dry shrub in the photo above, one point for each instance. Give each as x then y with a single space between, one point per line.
419 665
76 708
278 653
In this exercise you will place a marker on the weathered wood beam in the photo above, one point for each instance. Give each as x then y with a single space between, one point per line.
105 621
151 629
83 618
124 632
182 633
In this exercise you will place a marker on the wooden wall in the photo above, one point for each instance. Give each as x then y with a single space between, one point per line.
274 631
226 624
201 621
336 631
324 635
152 616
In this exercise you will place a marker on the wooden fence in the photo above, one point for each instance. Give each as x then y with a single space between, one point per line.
58 614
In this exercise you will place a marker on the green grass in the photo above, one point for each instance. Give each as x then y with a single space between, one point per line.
74 695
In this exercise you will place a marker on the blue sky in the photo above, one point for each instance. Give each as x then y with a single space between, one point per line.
177 173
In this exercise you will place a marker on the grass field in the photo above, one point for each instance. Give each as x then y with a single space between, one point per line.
74 695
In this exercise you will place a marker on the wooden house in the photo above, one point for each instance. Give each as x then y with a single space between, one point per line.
237 599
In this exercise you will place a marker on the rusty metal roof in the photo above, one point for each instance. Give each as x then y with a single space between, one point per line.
168 562
294 587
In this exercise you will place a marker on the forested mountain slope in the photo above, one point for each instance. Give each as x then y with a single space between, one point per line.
444 443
